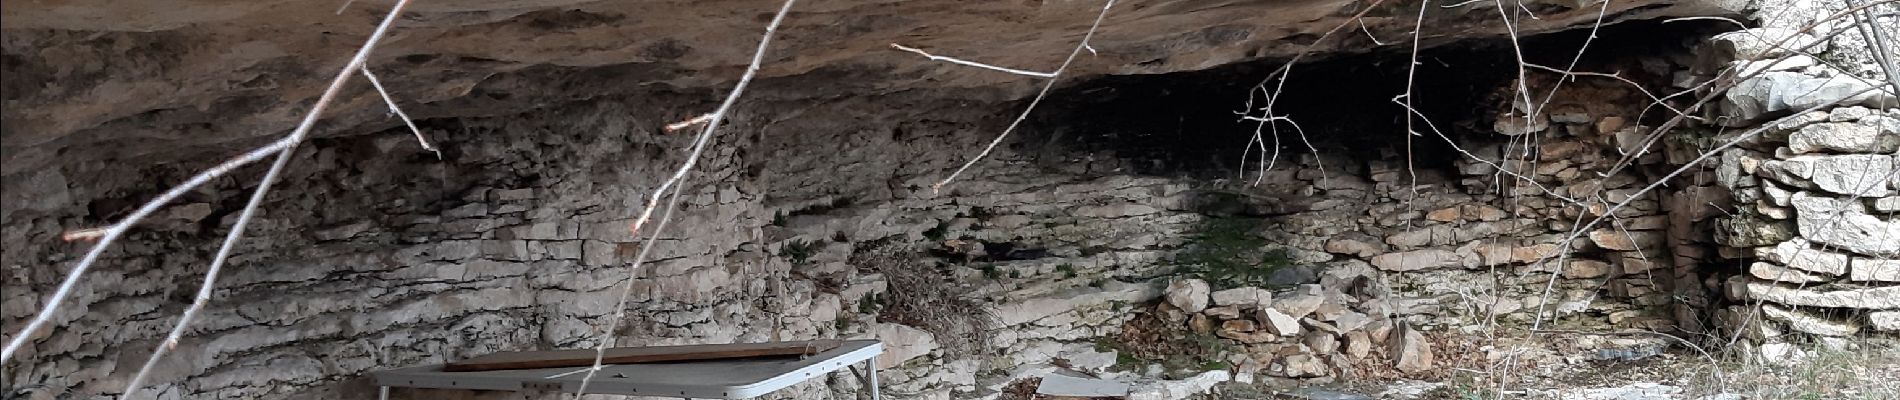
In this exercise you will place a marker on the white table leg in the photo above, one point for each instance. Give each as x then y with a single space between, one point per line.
871 365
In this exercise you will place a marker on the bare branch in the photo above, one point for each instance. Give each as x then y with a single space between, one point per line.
1032 103
1411 78
257 197
959 61
699 147
111 234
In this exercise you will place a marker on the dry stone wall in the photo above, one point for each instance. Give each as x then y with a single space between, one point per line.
1813 242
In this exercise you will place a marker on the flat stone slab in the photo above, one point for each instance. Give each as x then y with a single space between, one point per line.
1844 224
1064 385
1320 394
1884 298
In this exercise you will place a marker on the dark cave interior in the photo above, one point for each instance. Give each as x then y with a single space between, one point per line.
1189 124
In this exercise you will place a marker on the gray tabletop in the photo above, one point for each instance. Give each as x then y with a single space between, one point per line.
713 379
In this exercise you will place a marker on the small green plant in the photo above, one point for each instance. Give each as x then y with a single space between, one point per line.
1067 270
840 237
1015 274
870 303
990 272
798 252
1099 283
778 218
1468 392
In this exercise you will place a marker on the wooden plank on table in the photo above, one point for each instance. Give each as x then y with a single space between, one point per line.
632 355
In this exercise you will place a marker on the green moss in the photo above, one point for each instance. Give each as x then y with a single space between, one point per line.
1125 361
1216 365
1227 254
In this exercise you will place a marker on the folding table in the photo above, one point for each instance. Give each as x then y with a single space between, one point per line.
740 378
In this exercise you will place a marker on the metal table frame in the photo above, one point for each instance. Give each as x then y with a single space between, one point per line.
711 379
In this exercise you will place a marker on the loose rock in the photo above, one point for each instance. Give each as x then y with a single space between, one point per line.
1190 295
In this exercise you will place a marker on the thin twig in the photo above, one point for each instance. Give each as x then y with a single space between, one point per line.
699 147
83 234
676 126
1738 24
1032 103
391 101
1283 73
1639 87
257 197
1877 40
1368 32
959 61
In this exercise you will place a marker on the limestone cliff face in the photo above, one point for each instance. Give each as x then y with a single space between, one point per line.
374 254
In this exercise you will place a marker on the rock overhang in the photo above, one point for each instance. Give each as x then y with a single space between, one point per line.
158 81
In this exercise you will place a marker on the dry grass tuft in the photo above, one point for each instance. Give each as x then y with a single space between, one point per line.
1871 371
927 297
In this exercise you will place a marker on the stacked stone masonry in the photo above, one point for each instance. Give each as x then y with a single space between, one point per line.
1813 241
